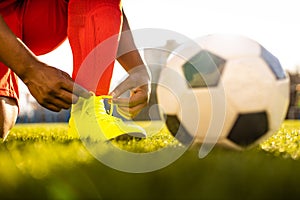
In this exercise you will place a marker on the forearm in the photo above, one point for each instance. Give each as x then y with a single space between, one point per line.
130 57
13 53
139 79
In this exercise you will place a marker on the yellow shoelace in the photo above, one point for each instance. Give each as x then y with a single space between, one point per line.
98 107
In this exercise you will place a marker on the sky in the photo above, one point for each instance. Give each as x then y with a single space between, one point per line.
275 24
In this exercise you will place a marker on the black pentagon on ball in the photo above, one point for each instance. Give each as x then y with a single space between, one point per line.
178 130
203 70
273 63
248 128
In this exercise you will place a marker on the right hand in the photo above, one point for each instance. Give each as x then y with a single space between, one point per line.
139 84
52 88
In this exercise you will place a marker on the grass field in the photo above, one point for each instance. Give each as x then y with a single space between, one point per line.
39 161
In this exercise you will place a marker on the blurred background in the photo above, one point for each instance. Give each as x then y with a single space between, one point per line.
274 24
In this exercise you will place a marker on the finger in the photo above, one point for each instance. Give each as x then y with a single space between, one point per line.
122 87
74 99
121 101
131 112
64 95
51 107
137 96
81 91
134 100
67 97
78 90
59 103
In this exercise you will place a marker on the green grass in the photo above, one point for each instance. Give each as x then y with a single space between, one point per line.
39 161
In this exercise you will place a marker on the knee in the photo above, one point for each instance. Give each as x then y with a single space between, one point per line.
8 115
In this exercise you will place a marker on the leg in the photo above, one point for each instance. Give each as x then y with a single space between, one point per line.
93 29
30 27
44 24
9 94
8 115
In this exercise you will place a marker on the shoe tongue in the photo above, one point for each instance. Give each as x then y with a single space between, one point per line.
99 105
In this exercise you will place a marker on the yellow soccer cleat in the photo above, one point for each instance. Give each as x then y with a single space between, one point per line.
92 121
75 113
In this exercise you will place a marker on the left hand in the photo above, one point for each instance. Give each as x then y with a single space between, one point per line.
138 82
52 88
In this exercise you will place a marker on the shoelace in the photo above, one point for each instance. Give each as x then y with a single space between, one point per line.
98 107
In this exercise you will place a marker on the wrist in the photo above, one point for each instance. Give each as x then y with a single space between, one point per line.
142 71
28 70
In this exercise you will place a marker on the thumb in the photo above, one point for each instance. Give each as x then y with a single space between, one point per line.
122 87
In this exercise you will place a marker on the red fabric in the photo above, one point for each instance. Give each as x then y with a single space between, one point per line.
43 25
8 79
93 32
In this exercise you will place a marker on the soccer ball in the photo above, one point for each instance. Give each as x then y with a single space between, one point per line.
223 89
